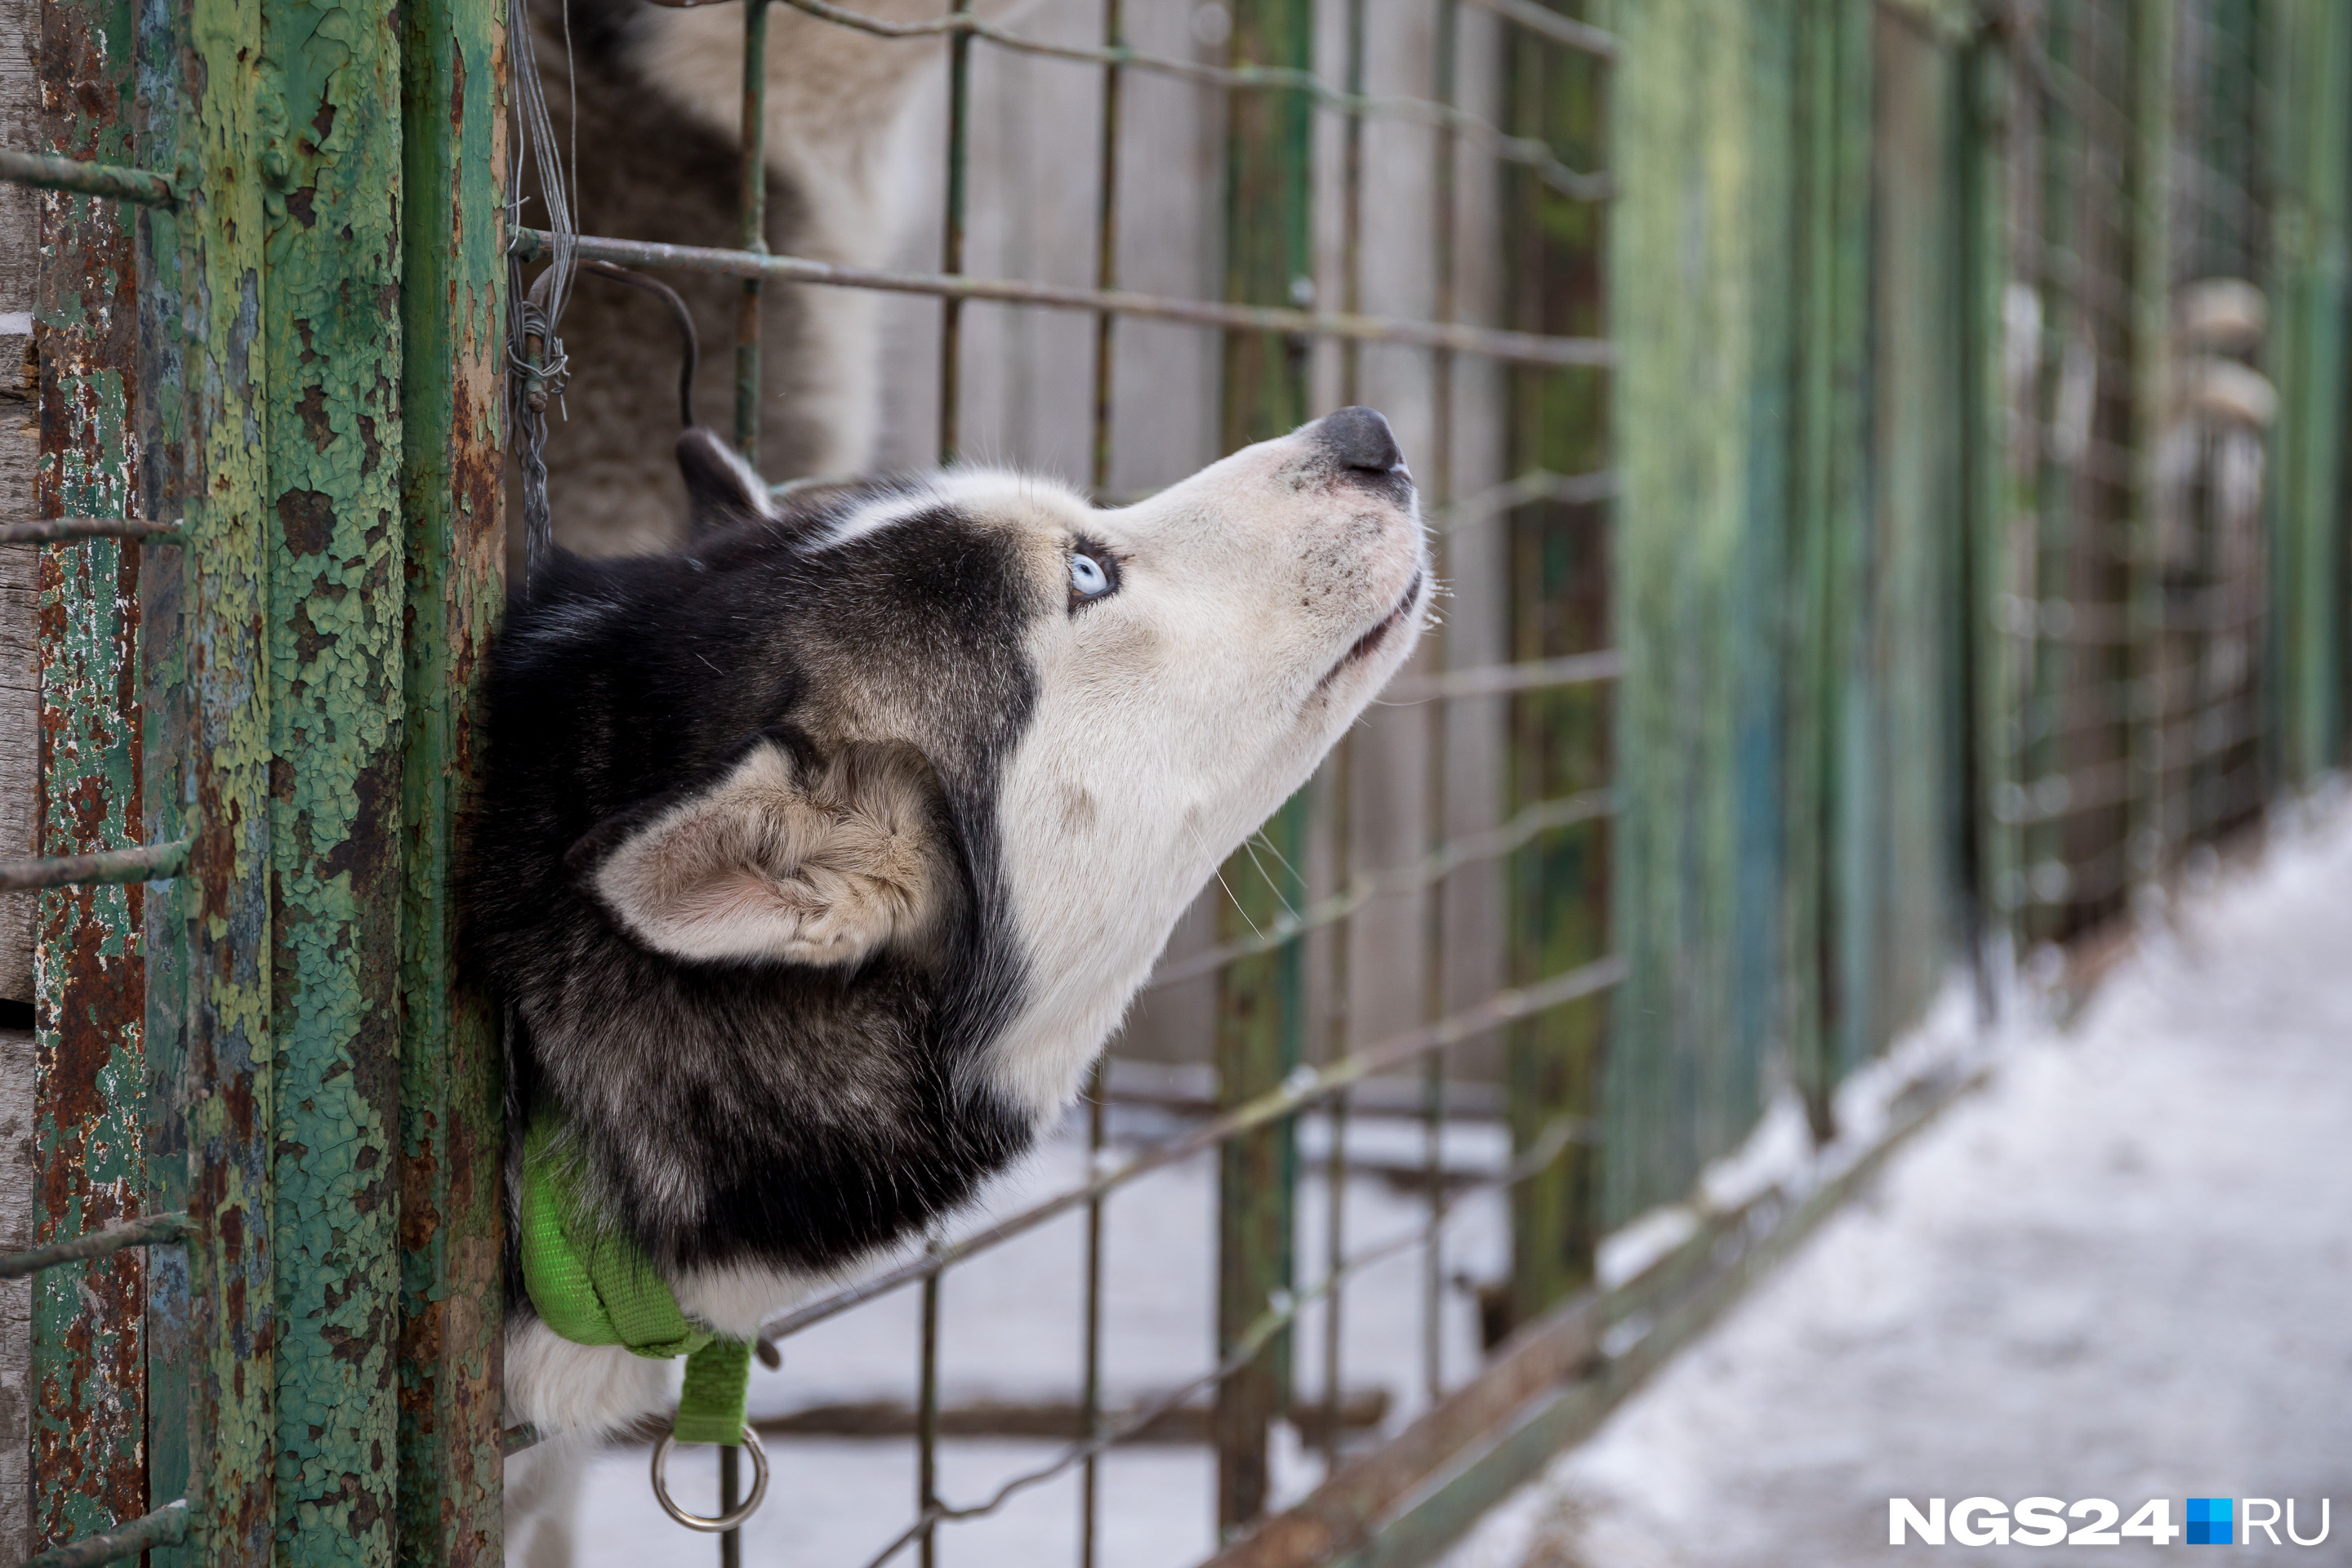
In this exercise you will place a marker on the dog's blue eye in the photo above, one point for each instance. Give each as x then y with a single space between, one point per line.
1088 579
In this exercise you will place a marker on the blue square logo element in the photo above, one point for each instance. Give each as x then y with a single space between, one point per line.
2210 1521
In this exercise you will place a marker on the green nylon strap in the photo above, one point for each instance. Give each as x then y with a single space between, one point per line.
594 1286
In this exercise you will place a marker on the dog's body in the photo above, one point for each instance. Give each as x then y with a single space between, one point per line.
647 102
816 862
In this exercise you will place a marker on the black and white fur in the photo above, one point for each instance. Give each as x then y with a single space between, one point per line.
815 862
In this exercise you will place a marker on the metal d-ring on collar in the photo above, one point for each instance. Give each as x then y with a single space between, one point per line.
721 1523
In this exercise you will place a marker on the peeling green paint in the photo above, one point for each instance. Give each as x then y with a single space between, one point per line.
330 165
453 84
215 84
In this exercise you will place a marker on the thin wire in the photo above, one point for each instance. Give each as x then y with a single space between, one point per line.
1488 844
538 375
962 26
1285 1311
1304 1088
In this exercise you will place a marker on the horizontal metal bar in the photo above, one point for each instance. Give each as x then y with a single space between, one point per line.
1536 485
1525 150
1544 817
167 1526
154 1230
1303 1088
1525 348
1493 680
48 172
51 530
1551 24
147 862
1185 1423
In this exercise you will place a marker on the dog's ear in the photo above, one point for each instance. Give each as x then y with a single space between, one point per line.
804 860
721 489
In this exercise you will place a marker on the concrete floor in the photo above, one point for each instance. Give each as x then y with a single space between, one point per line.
2123 1270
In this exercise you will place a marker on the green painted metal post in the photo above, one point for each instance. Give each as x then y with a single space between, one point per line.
1558 740
2311 150
88 1457
163 424
1261 1005
453 303
330 166
231 1111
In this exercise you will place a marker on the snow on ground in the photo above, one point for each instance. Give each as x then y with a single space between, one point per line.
2123 1270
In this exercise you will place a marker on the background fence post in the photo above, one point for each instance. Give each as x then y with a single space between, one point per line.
88 1372
2310 135
1260 1006
1558 740
453 316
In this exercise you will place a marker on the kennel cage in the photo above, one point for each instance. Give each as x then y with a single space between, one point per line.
268 1116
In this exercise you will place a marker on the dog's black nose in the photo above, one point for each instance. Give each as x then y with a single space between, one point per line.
1359 438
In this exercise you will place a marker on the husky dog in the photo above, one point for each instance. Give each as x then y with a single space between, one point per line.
815 862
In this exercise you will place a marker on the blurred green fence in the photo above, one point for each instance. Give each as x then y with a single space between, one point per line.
1981 424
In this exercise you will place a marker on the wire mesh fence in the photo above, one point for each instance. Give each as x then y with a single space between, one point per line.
1890 528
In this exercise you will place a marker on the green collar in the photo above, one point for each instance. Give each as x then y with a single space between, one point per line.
593 1285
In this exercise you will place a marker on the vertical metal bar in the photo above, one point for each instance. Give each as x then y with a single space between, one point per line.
730 1494
1439 723
1090 1348
452 1120
1558 740
232 1106
87 1360
334 516
753 234
1352 216
164 423
951 237
1105 369
927 1426
2149 282
1261 1022
1342 827
1336 1027
1107 241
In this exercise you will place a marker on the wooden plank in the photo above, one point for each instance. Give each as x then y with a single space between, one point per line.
1261 1001
453 301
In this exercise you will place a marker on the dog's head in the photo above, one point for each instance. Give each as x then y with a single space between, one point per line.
979 698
